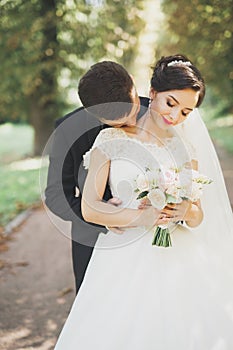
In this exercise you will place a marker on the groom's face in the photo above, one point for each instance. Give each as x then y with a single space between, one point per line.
129 119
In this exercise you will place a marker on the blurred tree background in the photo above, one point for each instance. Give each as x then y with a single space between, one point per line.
46 45
203 30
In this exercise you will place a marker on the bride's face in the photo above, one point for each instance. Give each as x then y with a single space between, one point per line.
172 107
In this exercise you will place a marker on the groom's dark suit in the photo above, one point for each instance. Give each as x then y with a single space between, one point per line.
73 137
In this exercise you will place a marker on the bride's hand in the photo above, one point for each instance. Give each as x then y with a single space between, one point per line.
144 203
177 212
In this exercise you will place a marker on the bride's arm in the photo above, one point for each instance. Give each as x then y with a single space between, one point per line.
96 211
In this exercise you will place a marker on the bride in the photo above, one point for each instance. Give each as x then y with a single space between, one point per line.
136 295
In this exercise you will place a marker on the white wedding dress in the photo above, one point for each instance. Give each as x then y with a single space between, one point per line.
136 296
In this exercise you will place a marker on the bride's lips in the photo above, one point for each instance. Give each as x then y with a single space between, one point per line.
166 121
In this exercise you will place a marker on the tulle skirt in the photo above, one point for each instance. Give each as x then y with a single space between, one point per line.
136 296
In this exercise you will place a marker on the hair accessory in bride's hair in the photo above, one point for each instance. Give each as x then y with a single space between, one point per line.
173 63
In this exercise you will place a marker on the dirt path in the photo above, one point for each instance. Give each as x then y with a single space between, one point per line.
37 286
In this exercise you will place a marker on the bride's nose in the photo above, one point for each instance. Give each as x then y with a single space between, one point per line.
174 115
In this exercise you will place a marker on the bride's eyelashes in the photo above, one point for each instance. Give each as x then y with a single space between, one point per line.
170 104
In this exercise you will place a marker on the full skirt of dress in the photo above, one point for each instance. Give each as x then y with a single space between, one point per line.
136 296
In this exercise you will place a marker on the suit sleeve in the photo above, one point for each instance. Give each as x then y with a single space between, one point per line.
65 174
55 198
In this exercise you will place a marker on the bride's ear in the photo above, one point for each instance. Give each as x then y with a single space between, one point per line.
152 93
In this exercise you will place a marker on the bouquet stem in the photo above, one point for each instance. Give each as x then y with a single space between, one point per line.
162 237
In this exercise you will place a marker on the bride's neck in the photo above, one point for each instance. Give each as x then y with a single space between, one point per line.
147 124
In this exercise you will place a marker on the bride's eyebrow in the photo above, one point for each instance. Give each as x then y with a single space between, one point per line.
190 109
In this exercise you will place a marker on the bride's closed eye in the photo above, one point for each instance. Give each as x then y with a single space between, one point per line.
170 104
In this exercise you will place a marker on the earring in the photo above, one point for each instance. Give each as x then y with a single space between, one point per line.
149 105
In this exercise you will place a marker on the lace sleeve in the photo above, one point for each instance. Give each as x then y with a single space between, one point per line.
107 141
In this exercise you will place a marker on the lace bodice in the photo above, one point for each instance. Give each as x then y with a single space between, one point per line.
130 157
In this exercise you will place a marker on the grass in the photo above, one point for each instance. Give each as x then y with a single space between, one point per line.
16 142
19 190
19 177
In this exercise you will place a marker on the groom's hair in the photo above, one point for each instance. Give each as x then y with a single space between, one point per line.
103 83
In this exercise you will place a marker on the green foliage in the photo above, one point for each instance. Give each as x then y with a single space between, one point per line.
45 41
203 30
27 57
46 45
142 194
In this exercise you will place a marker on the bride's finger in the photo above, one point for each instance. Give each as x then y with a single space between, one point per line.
171 207
162 221
143 205
145 201
167 212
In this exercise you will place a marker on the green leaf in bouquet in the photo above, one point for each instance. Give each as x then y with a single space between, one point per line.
142 194
170 198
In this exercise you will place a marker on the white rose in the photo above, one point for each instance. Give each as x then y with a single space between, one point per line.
185 182
142 183
157 198
185 178
174 192
167 178
195 174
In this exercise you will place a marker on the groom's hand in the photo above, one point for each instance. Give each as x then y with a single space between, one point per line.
115 201
118 230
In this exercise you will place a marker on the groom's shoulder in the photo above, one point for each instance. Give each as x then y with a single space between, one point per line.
144 101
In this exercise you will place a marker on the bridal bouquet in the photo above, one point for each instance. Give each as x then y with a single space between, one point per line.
172 185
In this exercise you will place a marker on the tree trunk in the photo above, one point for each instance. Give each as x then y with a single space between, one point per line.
44 99
43 125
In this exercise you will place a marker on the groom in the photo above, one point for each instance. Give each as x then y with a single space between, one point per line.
104 82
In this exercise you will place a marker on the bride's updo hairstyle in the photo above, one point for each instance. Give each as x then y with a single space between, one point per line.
177 72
